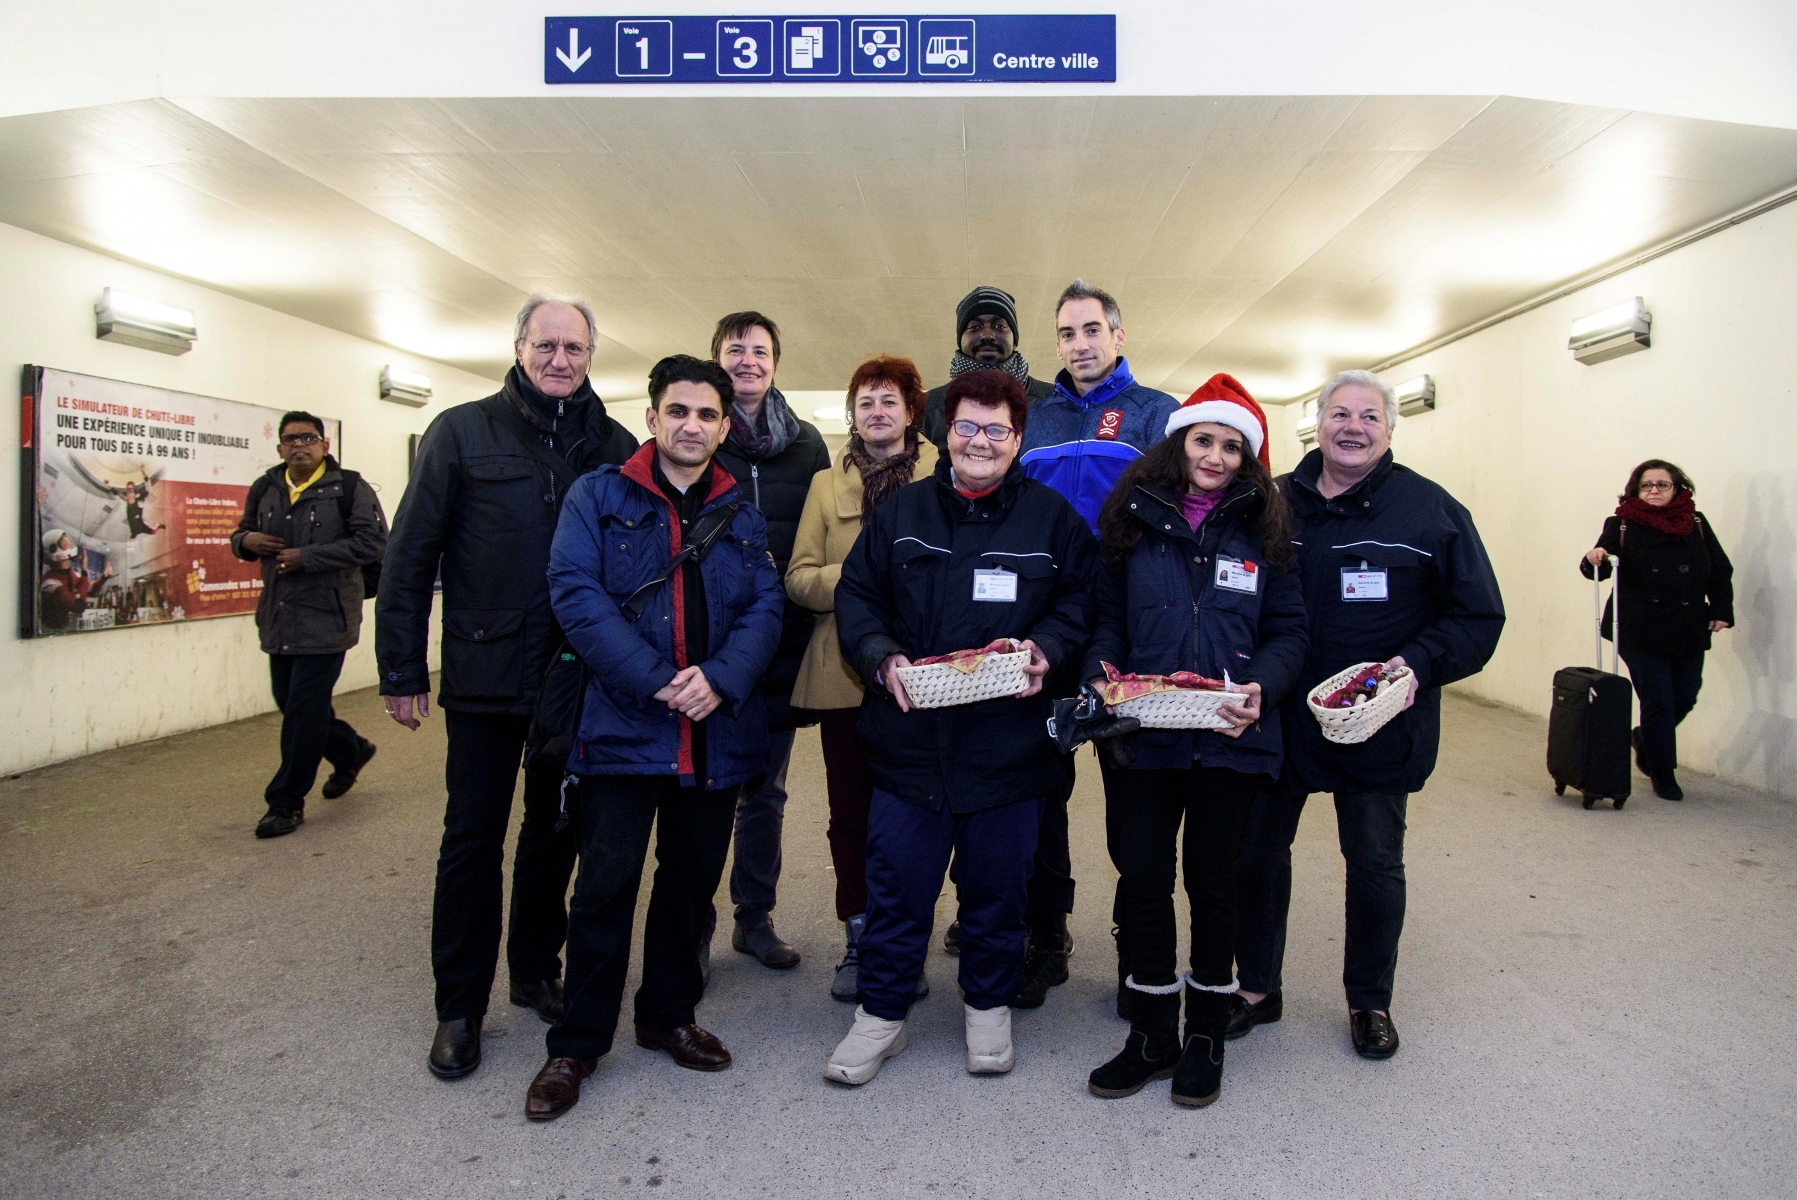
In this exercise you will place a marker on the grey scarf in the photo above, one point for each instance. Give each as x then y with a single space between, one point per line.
773 430
1014 366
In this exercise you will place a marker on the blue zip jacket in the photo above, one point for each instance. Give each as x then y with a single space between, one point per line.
1079 445
1161 611
617 532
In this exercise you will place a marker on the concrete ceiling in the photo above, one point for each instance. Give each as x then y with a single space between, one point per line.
1277 239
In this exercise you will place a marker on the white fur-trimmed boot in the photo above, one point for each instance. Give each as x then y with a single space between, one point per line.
870 1042
989 1048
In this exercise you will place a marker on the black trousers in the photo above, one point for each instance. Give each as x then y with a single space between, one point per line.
692 839
1667 685
1143 811
1051 879
1370 828
485 750
311 731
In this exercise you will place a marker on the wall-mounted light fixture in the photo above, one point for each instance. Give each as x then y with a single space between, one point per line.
147 324
1415 395
1306 428
405 387
1617 330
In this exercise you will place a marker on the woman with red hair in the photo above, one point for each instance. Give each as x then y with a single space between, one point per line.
885 452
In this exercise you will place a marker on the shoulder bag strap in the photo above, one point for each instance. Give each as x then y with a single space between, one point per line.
705 535
496 408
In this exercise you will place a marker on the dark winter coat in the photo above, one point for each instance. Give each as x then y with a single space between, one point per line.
1443 615
1672 587
317 609
617 532
777 484
935 409
1162 611
907 588
482 506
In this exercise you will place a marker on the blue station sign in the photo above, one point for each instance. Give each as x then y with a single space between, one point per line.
961 49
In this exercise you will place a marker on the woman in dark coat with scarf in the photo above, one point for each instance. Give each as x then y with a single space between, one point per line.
1196 576
1677 588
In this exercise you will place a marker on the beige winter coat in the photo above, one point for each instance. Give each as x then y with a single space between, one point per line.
827 531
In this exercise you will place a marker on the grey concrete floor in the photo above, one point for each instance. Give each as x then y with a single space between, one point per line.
1592 1004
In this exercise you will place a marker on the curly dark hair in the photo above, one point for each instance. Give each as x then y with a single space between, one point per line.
991 388
1681 482
1164 468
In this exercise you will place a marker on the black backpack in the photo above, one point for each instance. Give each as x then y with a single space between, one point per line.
346 504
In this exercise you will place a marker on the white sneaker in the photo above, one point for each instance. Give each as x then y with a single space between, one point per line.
989 1049
871 1041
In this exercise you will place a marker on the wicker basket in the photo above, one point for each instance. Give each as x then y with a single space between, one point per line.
1184 708
1350 726
938 685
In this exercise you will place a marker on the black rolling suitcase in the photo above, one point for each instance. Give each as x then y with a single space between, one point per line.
1588 729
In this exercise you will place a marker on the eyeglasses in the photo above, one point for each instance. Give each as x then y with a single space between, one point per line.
1657 485
301 439
547 349
994 433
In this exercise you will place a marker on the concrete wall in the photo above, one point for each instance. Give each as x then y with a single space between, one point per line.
72 695
1538 446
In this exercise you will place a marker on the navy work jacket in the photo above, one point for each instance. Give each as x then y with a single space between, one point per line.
618 532
1162 611
907 588
1443 614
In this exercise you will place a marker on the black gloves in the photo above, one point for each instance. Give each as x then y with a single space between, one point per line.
1081 719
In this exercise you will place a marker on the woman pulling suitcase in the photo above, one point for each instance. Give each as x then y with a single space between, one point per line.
1197 555
1677 589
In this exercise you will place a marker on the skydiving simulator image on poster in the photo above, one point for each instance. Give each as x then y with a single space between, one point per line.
136 493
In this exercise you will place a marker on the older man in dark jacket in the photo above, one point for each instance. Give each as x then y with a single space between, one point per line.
661 576
953 563
1394 572
313 526
481 508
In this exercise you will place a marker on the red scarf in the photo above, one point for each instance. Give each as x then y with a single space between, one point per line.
1676 518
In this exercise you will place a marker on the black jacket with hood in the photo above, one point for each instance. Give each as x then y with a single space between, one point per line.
776 482
482 505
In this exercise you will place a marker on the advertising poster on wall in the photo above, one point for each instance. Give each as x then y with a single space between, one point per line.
135 493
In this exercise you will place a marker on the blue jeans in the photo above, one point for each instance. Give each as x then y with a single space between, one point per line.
1370 828
1667 685
907 853
760 821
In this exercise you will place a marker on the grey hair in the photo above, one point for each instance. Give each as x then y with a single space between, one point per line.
1079 289
539 299
1365 379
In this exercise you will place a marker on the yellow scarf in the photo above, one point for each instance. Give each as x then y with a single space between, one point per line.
294 490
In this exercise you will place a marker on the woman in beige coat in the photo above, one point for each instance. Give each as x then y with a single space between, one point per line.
885 452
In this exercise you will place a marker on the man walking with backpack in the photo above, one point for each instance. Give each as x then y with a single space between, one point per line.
481 508
661 576
317 530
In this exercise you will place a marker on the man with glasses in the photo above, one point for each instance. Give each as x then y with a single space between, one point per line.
1097 422
313 526
485 493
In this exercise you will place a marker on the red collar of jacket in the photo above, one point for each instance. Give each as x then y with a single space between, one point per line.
640 469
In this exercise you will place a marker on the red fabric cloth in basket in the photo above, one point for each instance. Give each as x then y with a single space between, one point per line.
965 661
1120 685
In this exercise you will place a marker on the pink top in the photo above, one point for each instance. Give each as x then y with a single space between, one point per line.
1197 505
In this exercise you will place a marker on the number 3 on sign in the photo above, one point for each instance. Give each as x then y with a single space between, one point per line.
740 48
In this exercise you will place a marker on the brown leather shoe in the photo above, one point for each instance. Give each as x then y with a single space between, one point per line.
556 1088
689 1045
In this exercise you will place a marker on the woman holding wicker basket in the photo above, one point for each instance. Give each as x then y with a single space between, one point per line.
991 572
1196 577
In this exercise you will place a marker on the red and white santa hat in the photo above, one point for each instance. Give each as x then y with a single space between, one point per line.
1223 401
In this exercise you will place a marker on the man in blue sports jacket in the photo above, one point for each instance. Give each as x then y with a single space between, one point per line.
672 722
1079 440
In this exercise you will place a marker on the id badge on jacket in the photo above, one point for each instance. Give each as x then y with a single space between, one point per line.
1237 575
995 585
1364 583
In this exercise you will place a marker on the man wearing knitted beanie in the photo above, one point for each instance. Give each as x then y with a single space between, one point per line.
986 333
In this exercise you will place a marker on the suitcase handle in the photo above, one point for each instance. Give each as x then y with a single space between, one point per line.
1597 608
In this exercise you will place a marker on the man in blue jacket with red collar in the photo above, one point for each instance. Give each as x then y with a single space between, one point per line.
661 579
1079 440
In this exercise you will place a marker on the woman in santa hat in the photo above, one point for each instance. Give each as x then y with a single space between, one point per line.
1197 555
1677 589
